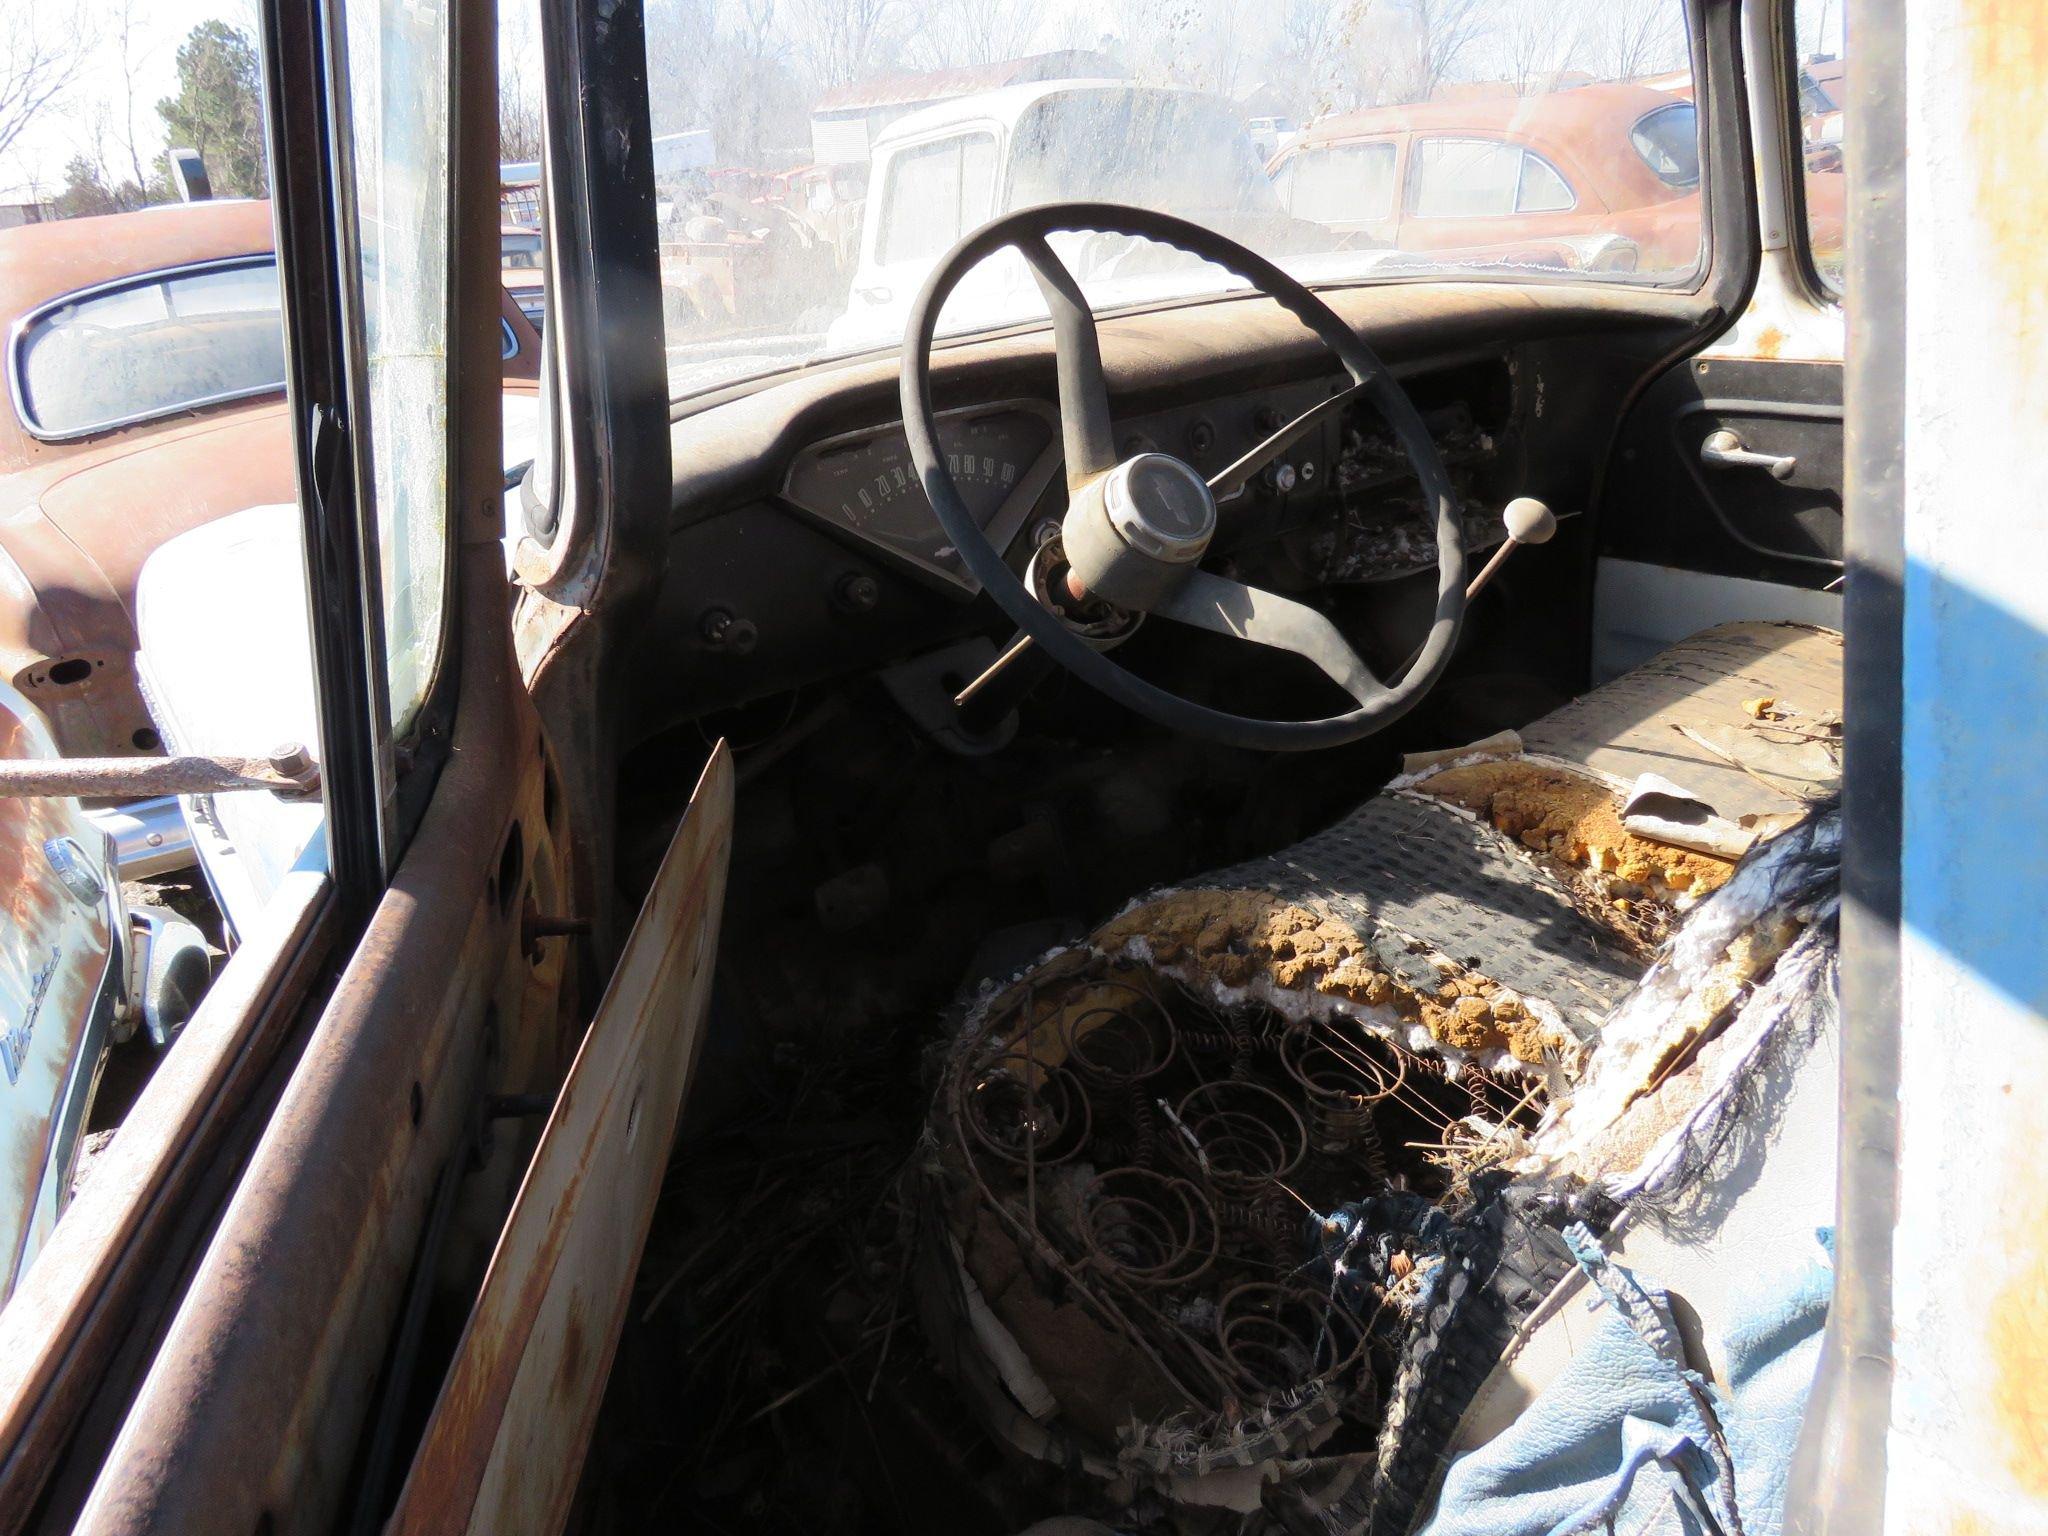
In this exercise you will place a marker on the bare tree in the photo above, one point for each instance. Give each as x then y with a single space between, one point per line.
1537 41
1308 52
519 109
950 34
39 59
1445 31
1638 37
841 41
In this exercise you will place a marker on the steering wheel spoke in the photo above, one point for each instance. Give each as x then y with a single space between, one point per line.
1233 478
1229 607
1086 432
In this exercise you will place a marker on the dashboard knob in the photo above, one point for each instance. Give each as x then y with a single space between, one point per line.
724 632
1528 521
857 592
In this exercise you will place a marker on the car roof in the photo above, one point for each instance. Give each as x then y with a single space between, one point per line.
1583 129
1007 104
1545 114
42 262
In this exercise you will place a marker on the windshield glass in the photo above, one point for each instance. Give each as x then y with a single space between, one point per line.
815 159
165 343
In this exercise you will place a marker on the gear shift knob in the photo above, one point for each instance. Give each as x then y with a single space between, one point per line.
1529 521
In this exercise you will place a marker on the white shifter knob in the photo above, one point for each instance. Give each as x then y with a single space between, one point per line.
1529 521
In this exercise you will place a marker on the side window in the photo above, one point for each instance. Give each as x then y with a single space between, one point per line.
153 348
1340 184
1668 139
1822 97
1465 179
1542 189
1484 179
398 109
936 193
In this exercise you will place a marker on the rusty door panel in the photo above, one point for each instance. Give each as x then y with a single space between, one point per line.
506 1442
63 1324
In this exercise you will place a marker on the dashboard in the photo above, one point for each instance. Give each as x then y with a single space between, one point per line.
800 550
1002 457
833 562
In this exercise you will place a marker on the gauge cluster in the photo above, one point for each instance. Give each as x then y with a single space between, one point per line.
1002 457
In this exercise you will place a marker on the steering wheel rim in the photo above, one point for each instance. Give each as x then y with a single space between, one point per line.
1199 598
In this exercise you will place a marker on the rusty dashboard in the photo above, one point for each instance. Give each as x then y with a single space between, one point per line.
801 547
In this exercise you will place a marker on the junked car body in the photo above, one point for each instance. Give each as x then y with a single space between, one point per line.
941 171
80 970
1601 177
144 397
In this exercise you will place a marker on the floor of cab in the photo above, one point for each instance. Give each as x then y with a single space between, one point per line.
775 1372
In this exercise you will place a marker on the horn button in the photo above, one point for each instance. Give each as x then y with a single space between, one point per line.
1133 534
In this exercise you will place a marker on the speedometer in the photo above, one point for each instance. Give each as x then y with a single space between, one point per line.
1001 457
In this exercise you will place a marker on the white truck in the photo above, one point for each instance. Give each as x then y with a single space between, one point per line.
942 171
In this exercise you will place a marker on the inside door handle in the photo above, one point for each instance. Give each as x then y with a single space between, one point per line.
1724 450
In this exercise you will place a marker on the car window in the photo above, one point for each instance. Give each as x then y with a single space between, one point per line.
1338 183
162 344
1822 93
1464 179
1542 189
398 100
1668 139
936 194
520 248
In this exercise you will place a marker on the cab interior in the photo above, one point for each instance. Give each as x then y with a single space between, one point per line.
1172 1063
943 890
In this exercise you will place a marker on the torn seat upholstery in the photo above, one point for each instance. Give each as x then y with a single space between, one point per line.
1258 1199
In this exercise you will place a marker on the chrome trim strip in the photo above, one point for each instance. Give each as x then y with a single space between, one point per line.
19 384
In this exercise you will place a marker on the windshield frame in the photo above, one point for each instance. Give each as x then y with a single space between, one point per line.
17 338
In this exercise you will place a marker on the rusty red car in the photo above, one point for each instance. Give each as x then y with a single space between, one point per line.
144 397
1599 177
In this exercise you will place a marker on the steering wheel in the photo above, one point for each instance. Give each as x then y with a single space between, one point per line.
1136 529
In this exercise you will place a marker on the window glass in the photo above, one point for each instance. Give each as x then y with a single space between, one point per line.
174 558
1668 139
1342 184
398 110
1543 190
802 193
935 194
1465 179
161 346
1822 101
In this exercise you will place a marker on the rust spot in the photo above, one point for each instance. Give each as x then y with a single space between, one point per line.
2017 1341
569 1373
2008 49
1770 342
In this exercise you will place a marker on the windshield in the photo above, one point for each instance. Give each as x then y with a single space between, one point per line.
1189 154
815 159
161 344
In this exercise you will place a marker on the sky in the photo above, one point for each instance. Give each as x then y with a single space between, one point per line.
99 94
96 100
